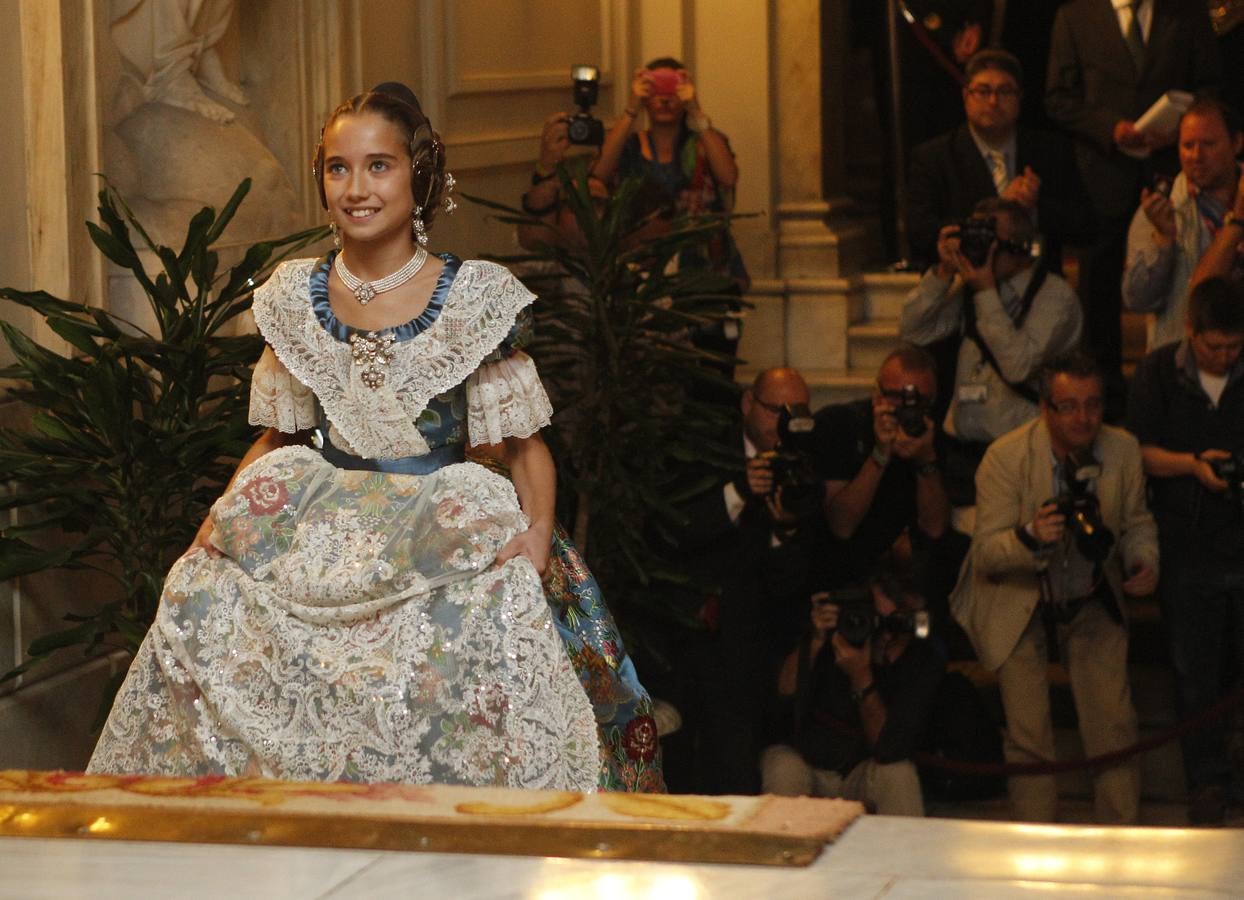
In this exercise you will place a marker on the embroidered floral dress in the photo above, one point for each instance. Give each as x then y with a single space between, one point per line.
357 626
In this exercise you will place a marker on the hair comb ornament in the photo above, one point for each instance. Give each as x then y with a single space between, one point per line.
449 203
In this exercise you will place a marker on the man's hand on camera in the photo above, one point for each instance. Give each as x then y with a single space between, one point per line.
1048 525
979 278
824 614
918 450
885 425
783 520
1204 470
948 251
1160 212
1142 582
760 474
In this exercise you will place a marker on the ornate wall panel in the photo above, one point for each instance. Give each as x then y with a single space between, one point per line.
517 45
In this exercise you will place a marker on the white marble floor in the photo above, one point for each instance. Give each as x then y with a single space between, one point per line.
878 857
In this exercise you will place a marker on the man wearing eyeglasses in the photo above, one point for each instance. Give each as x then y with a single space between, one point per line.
1043 491
1013 317
990 155
743 546
1187 409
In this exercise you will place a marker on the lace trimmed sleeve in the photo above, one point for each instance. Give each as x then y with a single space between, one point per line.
506 399
278 399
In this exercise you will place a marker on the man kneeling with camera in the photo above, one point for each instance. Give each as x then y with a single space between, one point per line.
1187 409
1062 536
1010 316
858 692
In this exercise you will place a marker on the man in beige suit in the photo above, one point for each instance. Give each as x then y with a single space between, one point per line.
1031 566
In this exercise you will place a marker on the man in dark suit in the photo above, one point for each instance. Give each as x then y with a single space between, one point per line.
744 547
990 155
1109 61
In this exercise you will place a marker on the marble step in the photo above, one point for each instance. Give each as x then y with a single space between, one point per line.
884 293
869 343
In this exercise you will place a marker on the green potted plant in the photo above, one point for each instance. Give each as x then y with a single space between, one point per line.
640 425
134 431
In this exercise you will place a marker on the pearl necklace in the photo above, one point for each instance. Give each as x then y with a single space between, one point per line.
366 291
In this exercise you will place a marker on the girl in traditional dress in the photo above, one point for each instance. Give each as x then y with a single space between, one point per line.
370 606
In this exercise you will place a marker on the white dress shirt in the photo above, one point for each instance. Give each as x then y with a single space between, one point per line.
1143 10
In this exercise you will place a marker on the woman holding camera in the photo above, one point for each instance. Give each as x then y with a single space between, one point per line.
364 603
687 164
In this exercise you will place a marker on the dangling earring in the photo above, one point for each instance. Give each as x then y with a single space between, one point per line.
417 229
332 226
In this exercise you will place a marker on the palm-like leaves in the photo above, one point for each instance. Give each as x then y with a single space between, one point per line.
613 348
135 431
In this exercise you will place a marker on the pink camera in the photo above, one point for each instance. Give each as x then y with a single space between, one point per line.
666 81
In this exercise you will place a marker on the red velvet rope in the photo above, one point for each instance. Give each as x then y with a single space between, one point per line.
1101 761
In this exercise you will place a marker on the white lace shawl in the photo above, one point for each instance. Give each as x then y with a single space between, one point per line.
504 398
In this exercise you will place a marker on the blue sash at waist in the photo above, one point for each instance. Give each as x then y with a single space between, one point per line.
406 465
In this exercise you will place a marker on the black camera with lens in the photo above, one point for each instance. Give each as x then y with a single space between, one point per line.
858 620
912 410
793 462
976 236
1231 470
1082 510
979 233
583 127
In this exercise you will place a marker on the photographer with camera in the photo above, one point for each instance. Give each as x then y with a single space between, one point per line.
1011 316
1178 220
743 546
991 155
858 691
559 136
1187 409
687 164
1062 536
879 459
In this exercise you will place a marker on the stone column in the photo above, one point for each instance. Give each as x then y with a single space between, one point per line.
816 238
818 243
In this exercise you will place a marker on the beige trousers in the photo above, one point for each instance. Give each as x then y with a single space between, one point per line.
1093 646
887 788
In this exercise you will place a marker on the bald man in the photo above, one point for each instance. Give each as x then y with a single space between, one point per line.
745 553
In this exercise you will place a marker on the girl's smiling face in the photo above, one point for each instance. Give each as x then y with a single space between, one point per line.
367 178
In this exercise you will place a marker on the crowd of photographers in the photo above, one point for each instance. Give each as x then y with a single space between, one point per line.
977 505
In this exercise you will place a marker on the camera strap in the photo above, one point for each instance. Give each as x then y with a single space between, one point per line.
970 331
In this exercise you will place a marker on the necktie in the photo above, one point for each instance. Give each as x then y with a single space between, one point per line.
1134 38
997 168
